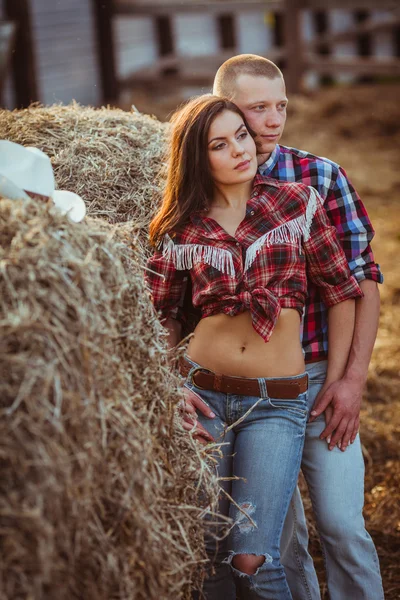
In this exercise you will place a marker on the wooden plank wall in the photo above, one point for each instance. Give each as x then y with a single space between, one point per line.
195 34
66 52
382 44
136 43
8 92
256 31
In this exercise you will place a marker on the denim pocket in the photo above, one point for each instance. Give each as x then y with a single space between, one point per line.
297 406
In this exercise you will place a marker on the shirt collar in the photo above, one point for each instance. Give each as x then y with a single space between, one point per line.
266 168
261 179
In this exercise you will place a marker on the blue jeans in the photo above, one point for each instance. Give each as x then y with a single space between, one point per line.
336 484
263 453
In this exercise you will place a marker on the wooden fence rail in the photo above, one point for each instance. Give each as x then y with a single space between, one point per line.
306 38
297 55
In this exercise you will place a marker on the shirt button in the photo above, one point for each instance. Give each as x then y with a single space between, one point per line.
237 243
254 195
252 213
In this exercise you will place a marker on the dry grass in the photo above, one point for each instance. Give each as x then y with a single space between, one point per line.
101 490
109 157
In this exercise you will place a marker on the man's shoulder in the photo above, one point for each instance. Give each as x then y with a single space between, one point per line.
304 157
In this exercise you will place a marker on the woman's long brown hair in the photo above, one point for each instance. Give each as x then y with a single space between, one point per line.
189 185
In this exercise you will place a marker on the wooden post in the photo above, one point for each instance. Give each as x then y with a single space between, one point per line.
7 39
320 19
104 13
293 45
363 42
165 41
23 59
396 40
227 33
279 37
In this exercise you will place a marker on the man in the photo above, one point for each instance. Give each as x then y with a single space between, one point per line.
332 461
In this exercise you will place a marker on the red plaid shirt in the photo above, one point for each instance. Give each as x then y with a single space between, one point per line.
284 238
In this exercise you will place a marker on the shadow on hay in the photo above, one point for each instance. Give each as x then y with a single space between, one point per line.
101 490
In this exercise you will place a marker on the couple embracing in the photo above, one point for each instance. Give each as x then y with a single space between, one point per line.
272 246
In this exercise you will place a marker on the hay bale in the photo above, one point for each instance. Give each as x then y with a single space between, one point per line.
99 485
110 157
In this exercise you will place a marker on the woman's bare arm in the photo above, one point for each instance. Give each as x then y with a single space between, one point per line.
192 401
174 329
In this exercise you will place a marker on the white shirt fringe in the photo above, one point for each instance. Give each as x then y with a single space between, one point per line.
291 232
184 256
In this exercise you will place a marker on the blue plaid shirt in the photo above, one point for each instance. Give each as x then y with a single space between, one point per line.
346 212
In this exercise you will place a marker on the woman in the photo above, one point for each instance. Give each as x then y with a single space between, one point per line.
246 241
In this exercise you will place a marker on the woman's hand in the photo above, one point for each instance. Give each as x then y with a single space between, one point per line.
189 407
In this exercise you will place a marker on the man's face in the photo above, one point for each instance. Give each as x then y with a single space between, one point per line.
263 102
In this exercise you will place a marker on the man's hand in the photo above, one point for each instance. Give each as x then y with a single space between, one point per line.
191 403
342 402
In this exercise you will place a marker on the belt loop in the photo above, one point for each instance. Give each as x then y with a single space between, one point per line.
191 368
192 371
191 375
263 387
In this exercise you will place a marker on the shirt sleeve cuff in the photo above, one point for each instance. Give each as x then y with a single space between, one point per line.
346 290
369 271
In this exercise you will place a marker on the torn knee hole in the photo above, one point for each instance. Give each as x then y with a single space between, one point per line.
247 563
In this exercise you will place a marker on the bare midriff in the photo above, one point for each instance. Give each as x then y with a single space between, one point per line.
231 346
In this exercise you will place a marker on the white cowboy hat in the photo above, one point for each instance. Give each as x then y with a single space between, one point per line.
28 171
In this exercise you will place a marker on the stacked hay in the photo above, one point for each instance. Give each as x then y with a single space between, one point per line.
100 490
111 158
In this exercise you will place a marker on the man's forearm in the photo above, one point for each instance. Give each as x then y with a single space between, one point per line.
341 320
365 330
344 396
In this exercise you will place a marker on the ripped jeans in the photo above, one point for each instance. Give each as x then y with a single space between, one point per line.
262 453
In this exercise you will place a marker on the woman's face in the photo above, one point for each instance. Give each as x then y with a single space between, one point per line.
231 150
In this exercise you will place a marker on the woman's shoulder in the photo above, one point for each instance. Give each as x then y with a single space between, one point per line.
283 195
188 233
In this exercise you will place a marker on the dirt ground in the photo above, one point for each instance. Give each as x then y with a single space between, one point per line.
359 127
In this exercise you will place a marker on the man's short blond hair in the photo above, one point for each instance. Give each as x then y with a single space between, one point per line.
243 64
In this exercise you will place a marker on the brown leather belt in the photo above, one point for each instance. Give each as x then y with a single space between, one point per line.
281 388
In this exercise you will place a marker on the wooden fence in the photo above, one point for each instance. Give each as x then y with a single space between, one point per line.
291 50
106 38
